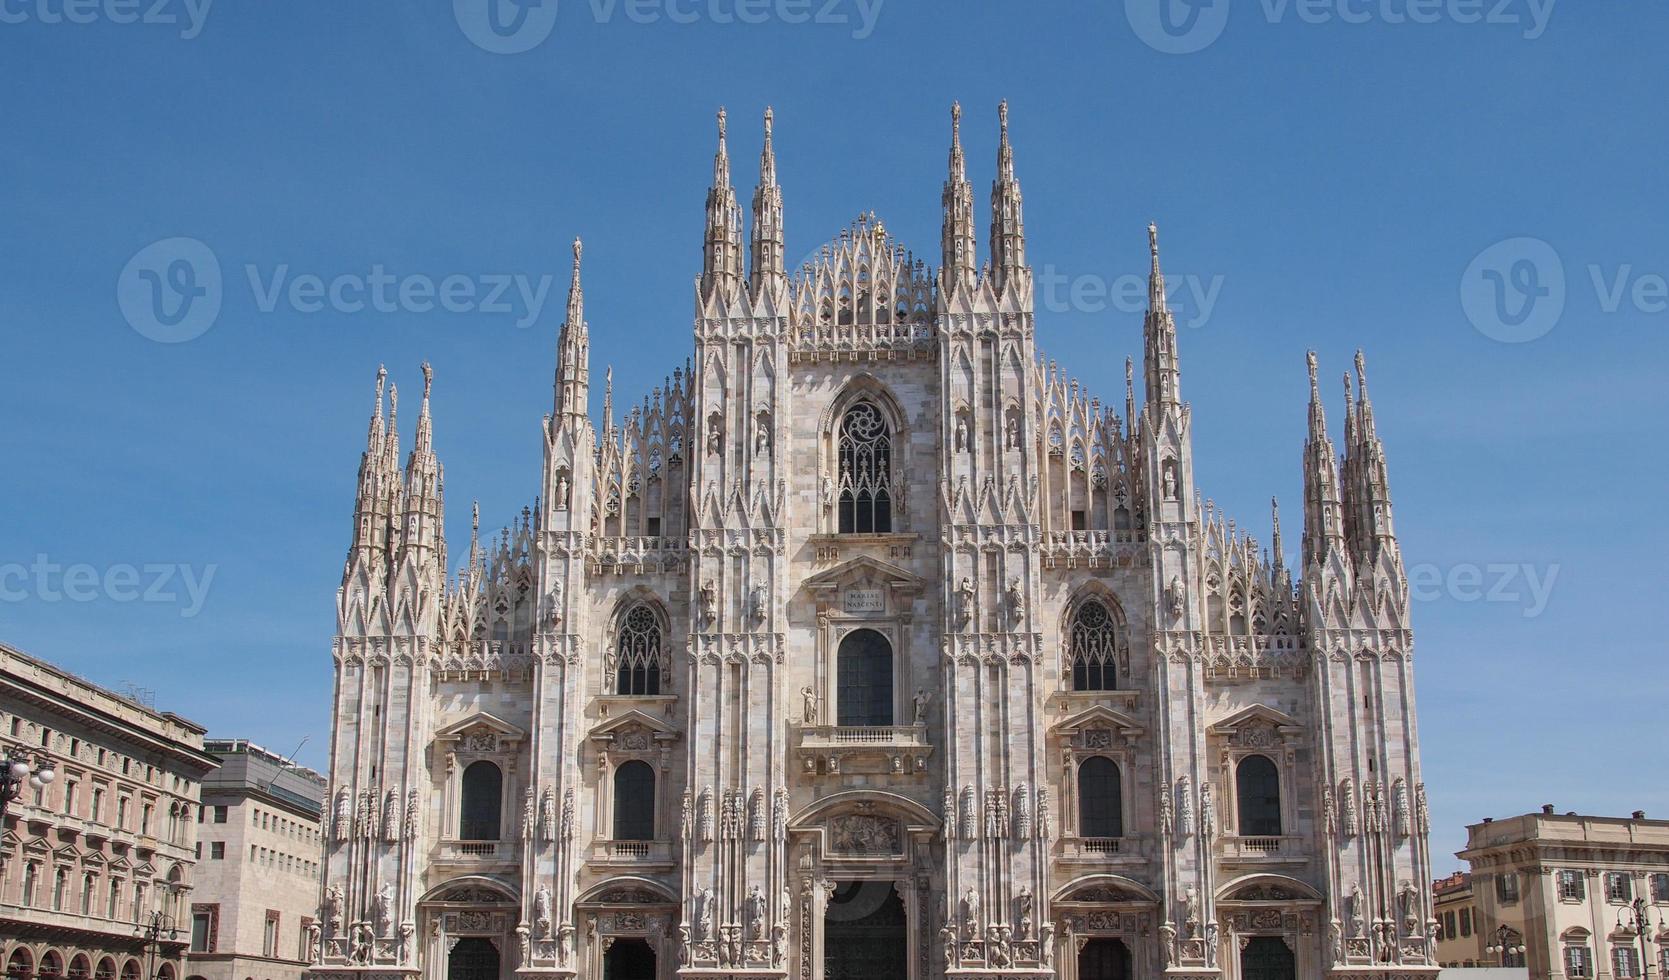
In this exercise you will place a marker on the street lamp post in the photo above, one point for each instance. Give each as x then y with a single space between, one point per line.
1636 917
1504 948
16 770
150 932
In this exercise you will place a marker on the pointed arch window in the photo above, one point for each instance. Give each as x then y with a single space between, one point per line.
865 466
1258 790
638 653
1100 798
1091 648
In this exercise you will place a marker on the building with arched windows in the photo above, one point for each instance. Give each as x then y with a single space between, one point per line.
872 646
109 846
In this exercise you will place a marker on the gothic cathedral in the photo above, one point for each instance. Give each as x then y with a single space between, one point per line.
871 647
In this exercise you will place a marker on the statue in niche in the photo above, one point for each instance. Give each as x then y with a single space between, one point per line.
384 910
965 598
1016 605
921 701
542 911
1024 902
756 912
757 604
970 909
762 435
809 697
704 914
1190 912
333 907
709 603
1013 429
961 434
1170 487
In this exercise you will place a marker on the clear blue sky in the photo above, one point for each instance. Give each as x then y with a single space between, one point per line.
1334 180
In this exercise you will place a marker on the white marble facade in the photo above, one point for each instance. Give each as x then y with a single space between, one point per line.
872 645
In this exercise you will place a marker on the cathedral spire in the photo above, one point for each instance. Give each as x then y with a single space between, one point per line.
957 231
1323 509
1163 373
1129 395
767 220
370 531
573 350
721 261
1370 479
1008 225
424 503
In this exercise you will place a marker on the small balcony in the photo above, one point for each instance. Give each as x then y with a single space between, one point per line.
476 851
643 855
901 750
1263 850
1102 850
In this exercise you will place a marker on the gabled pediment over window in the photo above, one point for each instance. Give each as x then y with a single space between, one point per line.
1257 725
1096 727
633 730
864 585
482 732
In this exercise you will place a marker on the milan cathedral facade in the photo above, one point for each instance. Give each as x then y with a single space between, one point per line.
871 646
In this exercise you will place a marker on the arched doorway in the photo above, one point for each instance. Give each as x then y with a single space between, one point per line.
1104 959
1267 958
864 933
629 959
473 958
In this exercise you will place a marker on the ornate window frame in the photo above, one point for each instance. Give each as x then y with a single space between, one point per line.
633 736
865 388
1097 592
637 598
480 737
1257 730
1104 732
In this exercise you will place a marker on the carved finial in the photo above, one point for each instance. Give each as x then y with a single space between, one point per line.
769 117
1002 117
393 404
579 247
1129 371
1153 240
1361 375
956 120
428 380
1310 358
474 518
721 123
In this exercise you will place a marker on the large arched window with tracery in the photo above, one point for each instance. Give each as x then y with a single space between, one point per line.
865 468
1091 648
637 652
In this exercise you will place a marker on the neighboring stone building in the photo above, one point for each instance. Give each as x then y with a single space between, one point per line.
1562 885
1460 941
87 859
873 646
258 876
